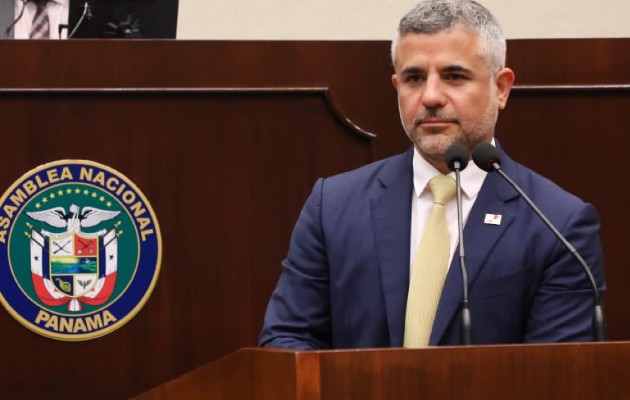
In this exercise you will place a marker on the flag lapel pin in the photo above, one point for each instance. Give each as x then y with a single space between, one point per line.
492 219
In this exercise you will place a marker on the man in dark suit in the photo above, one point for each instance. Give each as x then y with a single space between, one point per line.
346 280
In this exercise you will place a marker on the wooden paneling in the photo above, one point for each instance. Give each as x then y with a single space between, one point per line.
225 139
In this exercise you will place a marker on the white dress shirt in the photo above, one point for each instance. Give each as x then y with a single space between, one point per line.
58 11
472 178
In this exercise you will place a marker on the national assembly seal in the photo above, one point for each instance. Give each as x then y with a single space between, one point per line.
80 250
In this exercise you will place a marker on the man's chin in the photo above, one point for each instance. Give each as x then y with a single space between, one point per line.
435 145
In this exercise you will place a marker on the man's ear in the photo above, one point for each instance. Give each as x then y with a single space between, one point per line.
395 81
504 80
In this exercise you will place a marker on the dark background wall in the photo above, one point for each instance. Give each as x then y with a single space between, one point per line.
225 139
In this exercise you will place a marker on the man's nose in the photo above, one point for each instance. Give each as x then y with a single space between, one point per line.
433 95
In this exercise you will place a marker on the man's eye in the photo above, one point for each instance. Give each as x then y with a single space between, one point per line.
414 78
456 77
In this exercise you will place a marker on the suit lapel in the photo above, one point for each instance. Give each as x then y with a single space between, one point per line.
391 216
479 240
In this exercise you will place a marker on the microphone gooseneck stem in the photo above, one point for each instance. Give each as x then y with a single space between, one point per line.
85 13
599 320
466 320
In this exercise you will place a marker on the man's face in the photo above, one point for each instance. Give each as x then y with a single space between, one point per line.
446 93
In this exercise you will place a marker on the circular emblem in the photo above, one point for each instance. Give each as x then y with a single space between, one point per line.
80 250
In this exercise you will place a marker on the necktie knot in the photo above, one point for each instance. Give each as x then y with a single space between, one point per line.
443 188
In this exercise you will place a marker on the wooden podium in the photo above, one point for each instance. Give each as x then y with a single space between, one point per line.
557 371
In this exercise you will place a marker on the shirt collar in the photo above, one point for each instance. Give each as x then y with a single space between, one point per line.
472 177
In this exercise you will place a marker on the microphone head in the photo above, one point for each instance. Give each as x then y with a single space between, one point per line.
486 156
457 153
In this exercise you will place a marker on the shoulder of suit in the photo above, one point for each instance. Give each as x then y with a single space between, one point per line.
542 189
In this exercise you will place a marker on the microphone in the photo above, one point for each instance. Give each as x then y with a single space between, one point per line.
15 21
487 158
456 158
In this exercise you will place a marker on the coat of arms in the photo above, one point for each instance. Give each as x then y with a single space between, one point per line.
74 266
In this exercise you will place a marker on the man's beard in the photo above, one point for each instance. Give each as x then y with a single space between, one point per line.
469 134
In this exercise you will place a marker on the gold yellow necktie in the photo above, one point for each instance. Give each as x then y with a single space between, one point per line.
429 268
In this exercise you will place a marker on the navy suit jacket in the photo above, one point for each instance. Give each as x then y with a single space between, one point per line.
344 282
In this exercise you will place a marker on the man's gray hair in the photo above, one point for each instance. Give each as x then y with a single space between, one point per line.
433 16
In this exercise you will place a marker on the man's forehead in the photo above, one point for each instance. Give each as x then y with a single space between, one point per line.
449 48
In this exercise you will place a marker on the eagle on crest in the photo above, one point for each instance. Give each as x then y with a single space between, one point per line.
74 220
